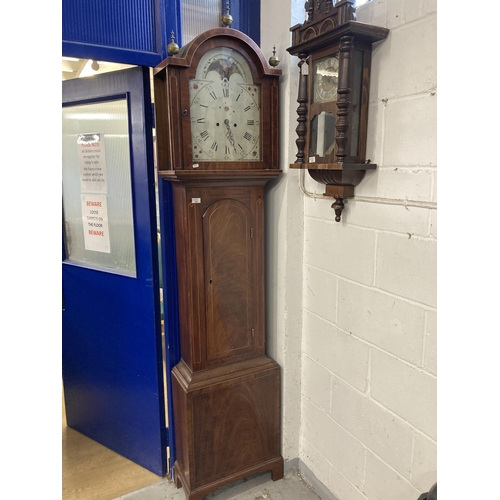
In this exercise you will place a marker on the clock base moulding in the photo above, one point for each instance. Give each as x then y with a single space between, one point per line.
228 420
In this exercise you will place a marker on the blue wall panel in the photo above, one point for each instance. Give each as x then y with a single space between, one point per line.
246 14
135 31
127 31
102 23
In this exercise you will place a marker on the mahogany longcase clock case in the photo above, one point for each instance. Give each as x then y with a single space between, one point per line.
217 135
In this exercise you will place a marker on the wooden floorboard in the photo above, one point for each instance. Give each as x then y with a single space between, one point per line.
91 471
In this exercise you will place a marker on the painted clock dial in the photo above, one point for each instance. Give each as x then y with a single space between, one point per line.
224 109
325 78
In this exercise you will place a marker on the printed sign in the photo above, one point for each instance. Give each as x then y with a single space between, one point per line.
95 222
92 163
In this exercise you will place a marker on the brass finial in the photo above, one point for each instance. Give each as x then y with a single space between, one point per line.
273 60
227 18
172 47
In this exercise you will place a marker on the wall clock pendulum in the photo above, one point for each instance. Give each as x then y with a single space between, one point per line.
218 141
334 96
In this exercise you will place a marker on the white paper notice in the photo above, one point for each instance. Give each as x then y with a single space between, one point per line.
95 222
92 163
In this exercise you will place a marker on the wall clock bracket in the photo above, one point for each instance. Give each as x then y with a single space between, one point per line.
340 180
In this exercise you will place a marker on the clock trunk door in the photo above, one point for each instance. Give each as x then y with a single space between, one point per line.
230 280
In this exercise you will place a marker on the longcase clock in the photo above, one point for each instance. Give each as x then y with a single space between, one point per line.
217 135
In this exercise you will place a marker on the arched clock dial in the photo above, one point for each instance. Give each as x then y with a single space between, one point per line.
225 109
325 79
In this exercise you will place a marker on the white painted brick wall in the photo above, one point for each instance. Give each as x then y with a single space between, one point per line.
430 359
320 293
382 319
424 462
384 483
389 437
338 351
394 182
406 266
410 52
369 334
410 131
317 384
340 448
405 390
322 249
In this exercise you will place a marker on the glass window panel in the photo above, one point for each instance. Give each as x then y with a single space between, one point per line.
322 134
199 16
97 192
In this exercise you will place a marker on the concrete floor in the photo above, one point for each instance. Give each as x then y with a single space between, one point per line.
257 487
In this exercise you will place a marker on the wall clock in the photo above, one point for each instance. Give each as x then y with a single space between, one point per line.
334 95
217 135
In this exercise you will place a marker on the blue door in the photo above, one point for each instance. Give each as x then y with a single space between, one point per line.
111 328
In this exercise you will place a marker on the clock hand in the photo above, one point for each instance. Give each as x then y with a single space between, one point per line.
229 134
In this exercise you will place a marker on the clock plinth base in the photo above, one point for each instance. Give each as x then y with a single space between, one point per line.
227 423
275 466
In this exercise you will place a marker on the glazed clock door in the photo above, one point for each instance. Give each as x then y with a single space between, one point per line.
111 326
323 108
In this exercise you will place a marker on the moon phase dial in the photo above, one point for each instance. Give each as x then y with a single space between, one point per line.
225 109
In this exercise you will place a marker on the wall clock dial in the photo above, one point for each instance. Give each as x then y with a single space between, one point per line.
224 109
325 79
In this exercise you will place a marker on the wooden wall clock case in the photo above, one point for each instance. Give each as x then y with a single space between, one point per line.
218 141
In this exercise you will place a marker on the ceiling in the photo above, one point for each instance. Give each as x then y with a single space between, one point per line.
78 68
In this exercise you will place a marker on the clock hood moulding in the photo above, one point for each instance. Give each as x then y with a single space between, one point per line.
187 52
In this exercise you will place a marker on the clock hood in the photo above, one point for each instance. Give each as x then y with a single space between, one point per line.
217 36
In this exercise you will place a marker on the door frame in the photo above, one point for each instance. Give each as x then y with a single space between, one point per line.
143 441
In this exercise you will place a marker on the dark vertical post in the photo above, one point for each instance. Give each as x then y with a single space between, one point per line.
344 96
301 111
347 11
